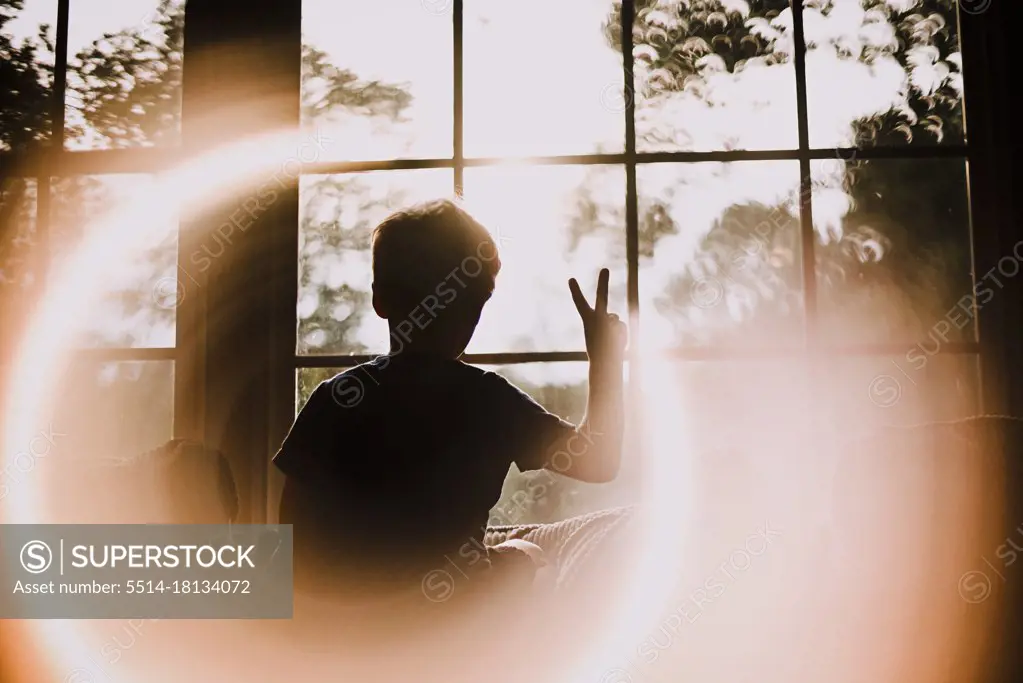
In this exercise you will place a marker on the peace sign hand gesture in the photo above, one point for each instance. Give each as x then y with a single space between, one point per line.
606 335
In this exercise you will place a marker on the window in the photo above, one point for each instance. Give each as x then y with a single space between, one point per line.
761 183
766 183
94 77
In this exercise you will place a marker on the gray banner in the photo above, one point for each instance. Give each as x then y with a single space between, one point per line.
145 571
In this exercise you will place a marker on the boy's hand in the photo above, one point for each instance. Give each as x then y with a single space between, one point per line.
606 335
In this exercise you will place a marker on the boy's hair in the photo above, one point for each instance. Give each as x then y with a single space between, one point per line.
430 248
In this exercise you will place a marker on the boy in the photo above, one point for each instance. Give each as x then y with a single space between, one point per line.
394 465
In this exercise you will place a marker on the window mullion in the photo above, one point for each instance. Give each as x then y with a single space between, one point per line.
631 192
52 155
809 260
60 76
458 149
634 443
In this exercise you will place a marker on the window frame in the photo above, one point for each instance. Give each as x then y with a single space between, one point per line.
50 162
200 390
630 159
992 150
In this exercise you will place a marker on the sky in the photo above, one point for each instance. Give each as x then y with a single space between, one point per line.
530 87
88 19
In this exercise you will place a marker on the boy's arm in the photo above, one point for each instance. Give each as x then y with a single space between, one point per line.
299 457
290 495
303 458
593 451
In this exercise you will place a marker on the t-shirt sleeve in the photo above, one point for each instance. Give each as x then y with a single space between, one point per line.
306 441
526 426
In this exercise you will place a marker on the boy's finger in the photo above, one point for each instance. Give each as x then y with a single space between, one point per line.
581 304
602 283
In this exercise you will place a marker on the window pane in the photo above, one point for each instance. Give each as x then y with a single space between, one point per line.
124 73
18 253
18 202
558 387
894 255
337 216
306 380
26 71
138 308
724 402
733 403
551 223
542 78
883 73
912 388
534 497
740 419
111 411
377 78
762 438
720 254
541 497
714 76
740 427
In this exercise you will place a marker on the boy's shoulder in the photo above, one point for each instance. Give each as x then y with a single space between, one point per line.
386 369
365 392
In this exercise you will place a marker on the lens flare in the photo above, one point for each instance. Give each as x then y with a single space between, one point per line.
190 190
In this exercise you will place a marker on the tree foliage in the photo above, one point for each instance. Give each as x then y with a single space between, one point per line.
900 251
26 72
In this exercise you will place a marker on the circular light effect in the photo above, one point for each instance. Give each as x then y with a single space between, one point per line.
666 494
196 187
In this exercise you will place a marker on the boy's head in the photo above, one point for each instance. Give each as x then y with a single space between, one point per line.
434 267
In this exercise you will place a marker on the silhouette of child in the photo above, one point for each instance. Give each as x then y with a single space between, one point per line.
393 466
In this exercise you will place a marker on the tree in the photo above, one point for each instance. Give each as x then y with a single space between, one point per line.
24 121
25 114
902 230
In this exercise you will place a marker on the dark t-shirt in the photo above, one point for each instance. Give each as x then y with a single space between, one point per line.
402 458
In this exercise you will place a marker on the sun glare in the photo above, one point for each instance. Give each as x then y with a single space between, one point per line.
116 237
63 309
